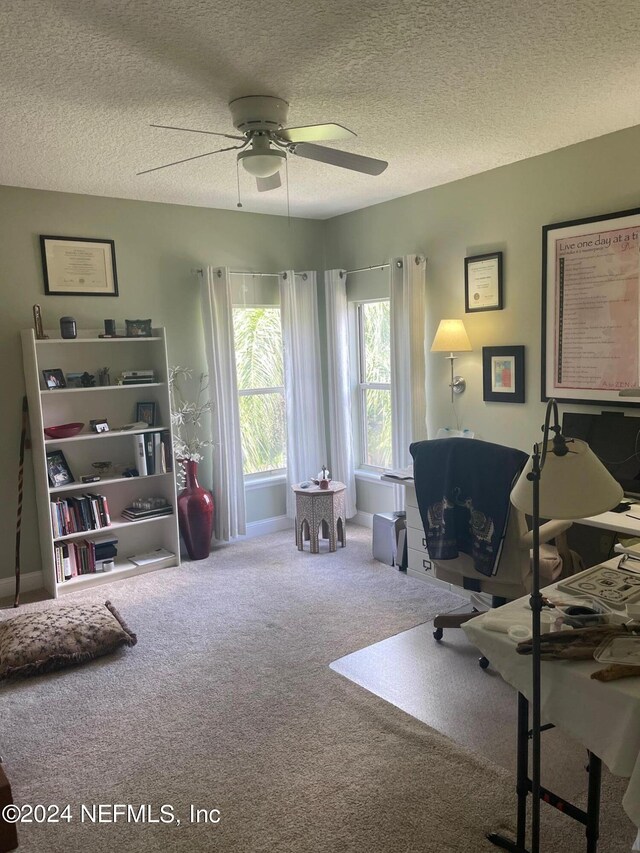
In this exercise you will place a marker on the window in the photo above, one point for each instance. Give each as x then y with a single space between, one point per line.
374 382
258 344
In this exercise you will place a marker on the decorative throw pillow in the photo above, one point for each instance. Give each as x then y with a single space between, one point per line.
33 643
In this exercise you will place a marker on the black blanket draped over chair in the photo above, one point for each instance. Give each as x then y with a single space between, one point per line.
463 487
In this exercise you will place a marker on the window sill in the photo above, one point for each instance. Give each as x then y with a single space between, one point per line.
371 477
263 482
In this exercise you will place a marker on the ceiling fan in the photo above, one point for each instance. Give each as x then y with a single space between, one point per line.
266 140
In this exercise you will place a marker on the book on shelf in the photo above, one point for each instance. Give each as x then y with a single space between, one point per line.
140 455
78 514
77 558
134 514
152 451
148 452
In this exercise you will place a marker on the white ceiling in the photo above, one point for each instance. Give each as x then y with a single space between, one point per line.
440 89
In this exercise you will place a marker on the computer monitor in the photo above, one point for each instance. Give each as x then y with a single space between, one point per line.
615 440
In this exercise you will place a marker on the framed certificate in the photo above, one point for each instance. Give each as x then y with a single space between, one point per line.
78 266
483 283
591 309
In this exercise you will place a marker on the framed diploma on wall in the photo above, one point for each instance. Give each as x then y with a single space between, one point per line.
483 283
591 309
80 266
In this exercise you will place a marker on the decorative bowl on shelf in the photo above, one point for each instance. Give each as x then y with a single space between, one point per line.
63 430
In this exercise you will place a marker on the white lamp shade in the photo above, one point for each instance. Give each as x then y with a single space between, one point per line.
573 486
451 336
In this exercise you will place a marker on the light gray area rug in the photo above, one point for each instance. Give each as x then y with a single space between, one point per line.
227 702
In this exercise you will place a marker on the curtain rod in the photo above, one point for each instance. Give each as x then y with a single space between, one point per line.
255 274
366 269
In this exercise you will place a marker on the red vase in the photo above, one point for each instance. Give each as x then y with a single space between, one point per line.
195 514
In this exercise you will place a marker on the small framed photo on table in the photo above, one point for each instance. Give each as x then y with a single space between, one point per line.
503 374
483 283
58 471
146 413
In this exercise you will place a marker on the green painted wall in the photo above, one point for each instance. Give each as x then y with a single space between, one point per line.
503 210
157 246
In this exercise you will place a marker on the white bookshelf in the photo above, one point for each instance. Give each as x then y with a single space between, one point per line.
116 403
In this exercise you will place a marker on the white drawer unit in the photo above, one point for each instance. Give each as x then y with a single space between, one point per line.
419 563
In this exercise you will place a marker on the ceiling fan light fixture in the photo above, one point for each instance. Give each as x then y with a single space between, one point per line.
262 164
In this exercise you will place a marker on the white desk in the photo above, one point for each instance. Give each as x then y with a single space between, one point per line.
603 716
616 521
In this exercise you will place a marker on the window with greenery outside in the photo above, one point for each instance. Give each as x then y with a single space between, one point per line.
190 404
260 373
374 362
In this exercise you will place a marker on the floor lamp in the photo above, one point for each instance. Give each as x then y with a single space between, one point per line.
563 479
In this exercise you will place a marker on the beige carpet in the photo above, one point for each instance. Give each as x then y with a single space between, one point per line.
228 702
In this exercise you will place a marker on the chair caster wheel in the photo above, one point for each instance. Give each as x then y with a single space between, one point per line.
437 634
483 663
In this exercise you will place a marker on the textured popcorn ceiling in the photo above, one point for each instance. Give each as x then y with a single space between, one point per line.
440 89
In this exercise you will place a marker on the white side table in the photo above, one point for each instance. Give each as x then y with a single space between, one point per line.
315 507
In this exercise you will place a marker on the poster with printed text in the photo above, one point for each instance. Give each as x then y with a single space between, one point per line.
591 309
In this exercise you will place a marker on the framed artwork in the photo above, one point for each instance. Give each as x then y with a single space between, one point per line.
590 309
78 266
483 283
503 374
146 413
58 471
54 378
138 328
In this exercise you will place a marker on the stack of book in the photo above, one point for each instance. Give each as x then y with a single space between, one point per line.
106 547
83 557
136 377
153 453
135 514
76 514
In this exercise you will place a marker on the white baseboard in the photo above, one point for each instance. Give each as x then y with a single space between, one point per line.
364 519
29 581
269 525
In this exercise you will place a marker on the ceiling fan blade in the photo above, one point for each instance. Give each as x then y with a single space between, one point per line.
187 159
193 130
344 159
316 133
270 183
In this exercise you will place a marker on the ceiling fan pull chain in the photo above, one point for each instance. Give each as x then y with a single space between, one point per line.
239 204
286 176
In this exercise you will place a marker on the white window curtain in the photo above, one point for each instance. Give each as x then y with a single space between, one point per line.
306 445
228 479
340 428
408 393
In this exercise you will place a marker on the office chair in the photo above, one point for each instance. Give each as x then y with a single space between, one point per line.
463 487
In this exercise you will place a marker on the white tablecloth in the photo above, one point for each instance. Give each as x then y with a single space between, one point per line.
603 716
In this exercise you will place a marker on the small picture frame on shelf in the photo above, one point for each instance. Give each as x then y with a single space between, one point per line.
146 413
74 380
99 425
58 471
54 378
138 328
503 374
